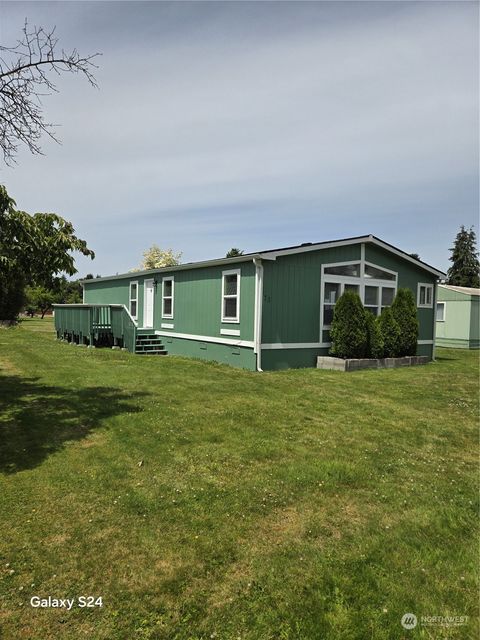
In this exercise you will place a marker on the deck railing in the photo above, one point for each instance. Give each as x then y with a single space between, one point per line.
90 323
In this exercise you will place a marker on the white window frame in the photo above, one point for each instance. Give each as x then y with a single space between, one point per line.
361 281
130 299
377 266
427 286
164 297
444 311
231 272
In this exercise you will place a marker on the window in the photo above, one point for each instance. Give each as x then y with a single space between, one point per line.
231 295
425 295
371 299
440 312
388 294
378 274
350 270
331 295
133 299
167 297
375 286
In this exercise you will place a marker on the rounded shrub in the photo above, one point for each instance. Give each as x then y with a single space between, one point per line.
390 333
349 327
404 311
374 337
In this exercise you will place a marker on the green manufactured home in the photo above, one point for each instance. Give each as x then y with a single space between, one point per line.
458 317
260 311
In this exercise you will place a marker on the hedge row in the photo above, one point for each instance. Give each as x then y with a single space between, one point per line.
357 333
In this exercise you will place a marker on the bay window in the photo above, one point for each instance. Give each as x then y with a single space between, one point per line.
375 285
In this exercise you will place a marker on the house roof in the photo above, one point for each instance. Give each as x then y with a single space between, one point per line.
469 291
272 254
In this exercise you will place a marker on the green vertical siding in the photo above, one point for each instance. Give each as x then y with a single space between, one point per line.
275 359
197 309
198 302
241 357
409 275
291 294
461 327
106 292
291 305
115 292
475 322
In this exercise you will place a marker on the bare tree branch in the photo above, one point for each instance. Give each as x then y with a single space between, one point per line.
25 77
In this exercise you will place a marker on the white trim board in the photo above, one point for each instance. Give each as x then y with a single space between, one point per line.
229 332
146 284
312 345
191 336
272 255
236 296
295 345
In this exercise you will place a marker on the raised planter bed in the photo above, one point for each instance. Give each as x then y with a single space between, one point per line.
339 364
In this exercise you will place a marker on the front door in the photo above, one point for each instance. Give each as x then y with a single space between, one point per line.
148 304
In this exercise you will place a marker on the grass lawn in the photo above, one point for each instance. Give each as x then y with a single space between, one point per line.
298 505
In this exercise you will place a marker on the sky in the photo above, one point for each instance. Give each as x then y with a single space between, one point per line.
257 125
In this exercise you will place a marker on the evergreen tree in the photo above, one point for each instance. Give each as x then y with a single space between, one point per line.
234 252
404 311
465 270
374 337
349 327
390 333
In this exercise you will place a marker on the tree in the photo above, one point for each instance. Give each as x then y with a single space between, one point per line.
33 249
375 343
415 255
67 291
234 252
40 299
26 71
349 327
390 332
404 311
156 258
465 270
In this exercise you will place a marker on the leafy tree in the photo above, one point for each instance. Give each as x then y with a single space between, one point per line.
12 293
415 255
156 258
375 342
26 72
465 270
234 252
390 333
404 311
40 299
349 327
33 249
67 291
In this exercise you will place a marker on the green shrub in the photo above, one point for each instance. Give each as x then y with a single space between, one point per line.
374 337
390 333
349 327
404 311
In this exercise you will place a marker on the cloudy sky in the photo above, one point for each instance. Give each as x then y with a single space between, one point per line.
258 125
